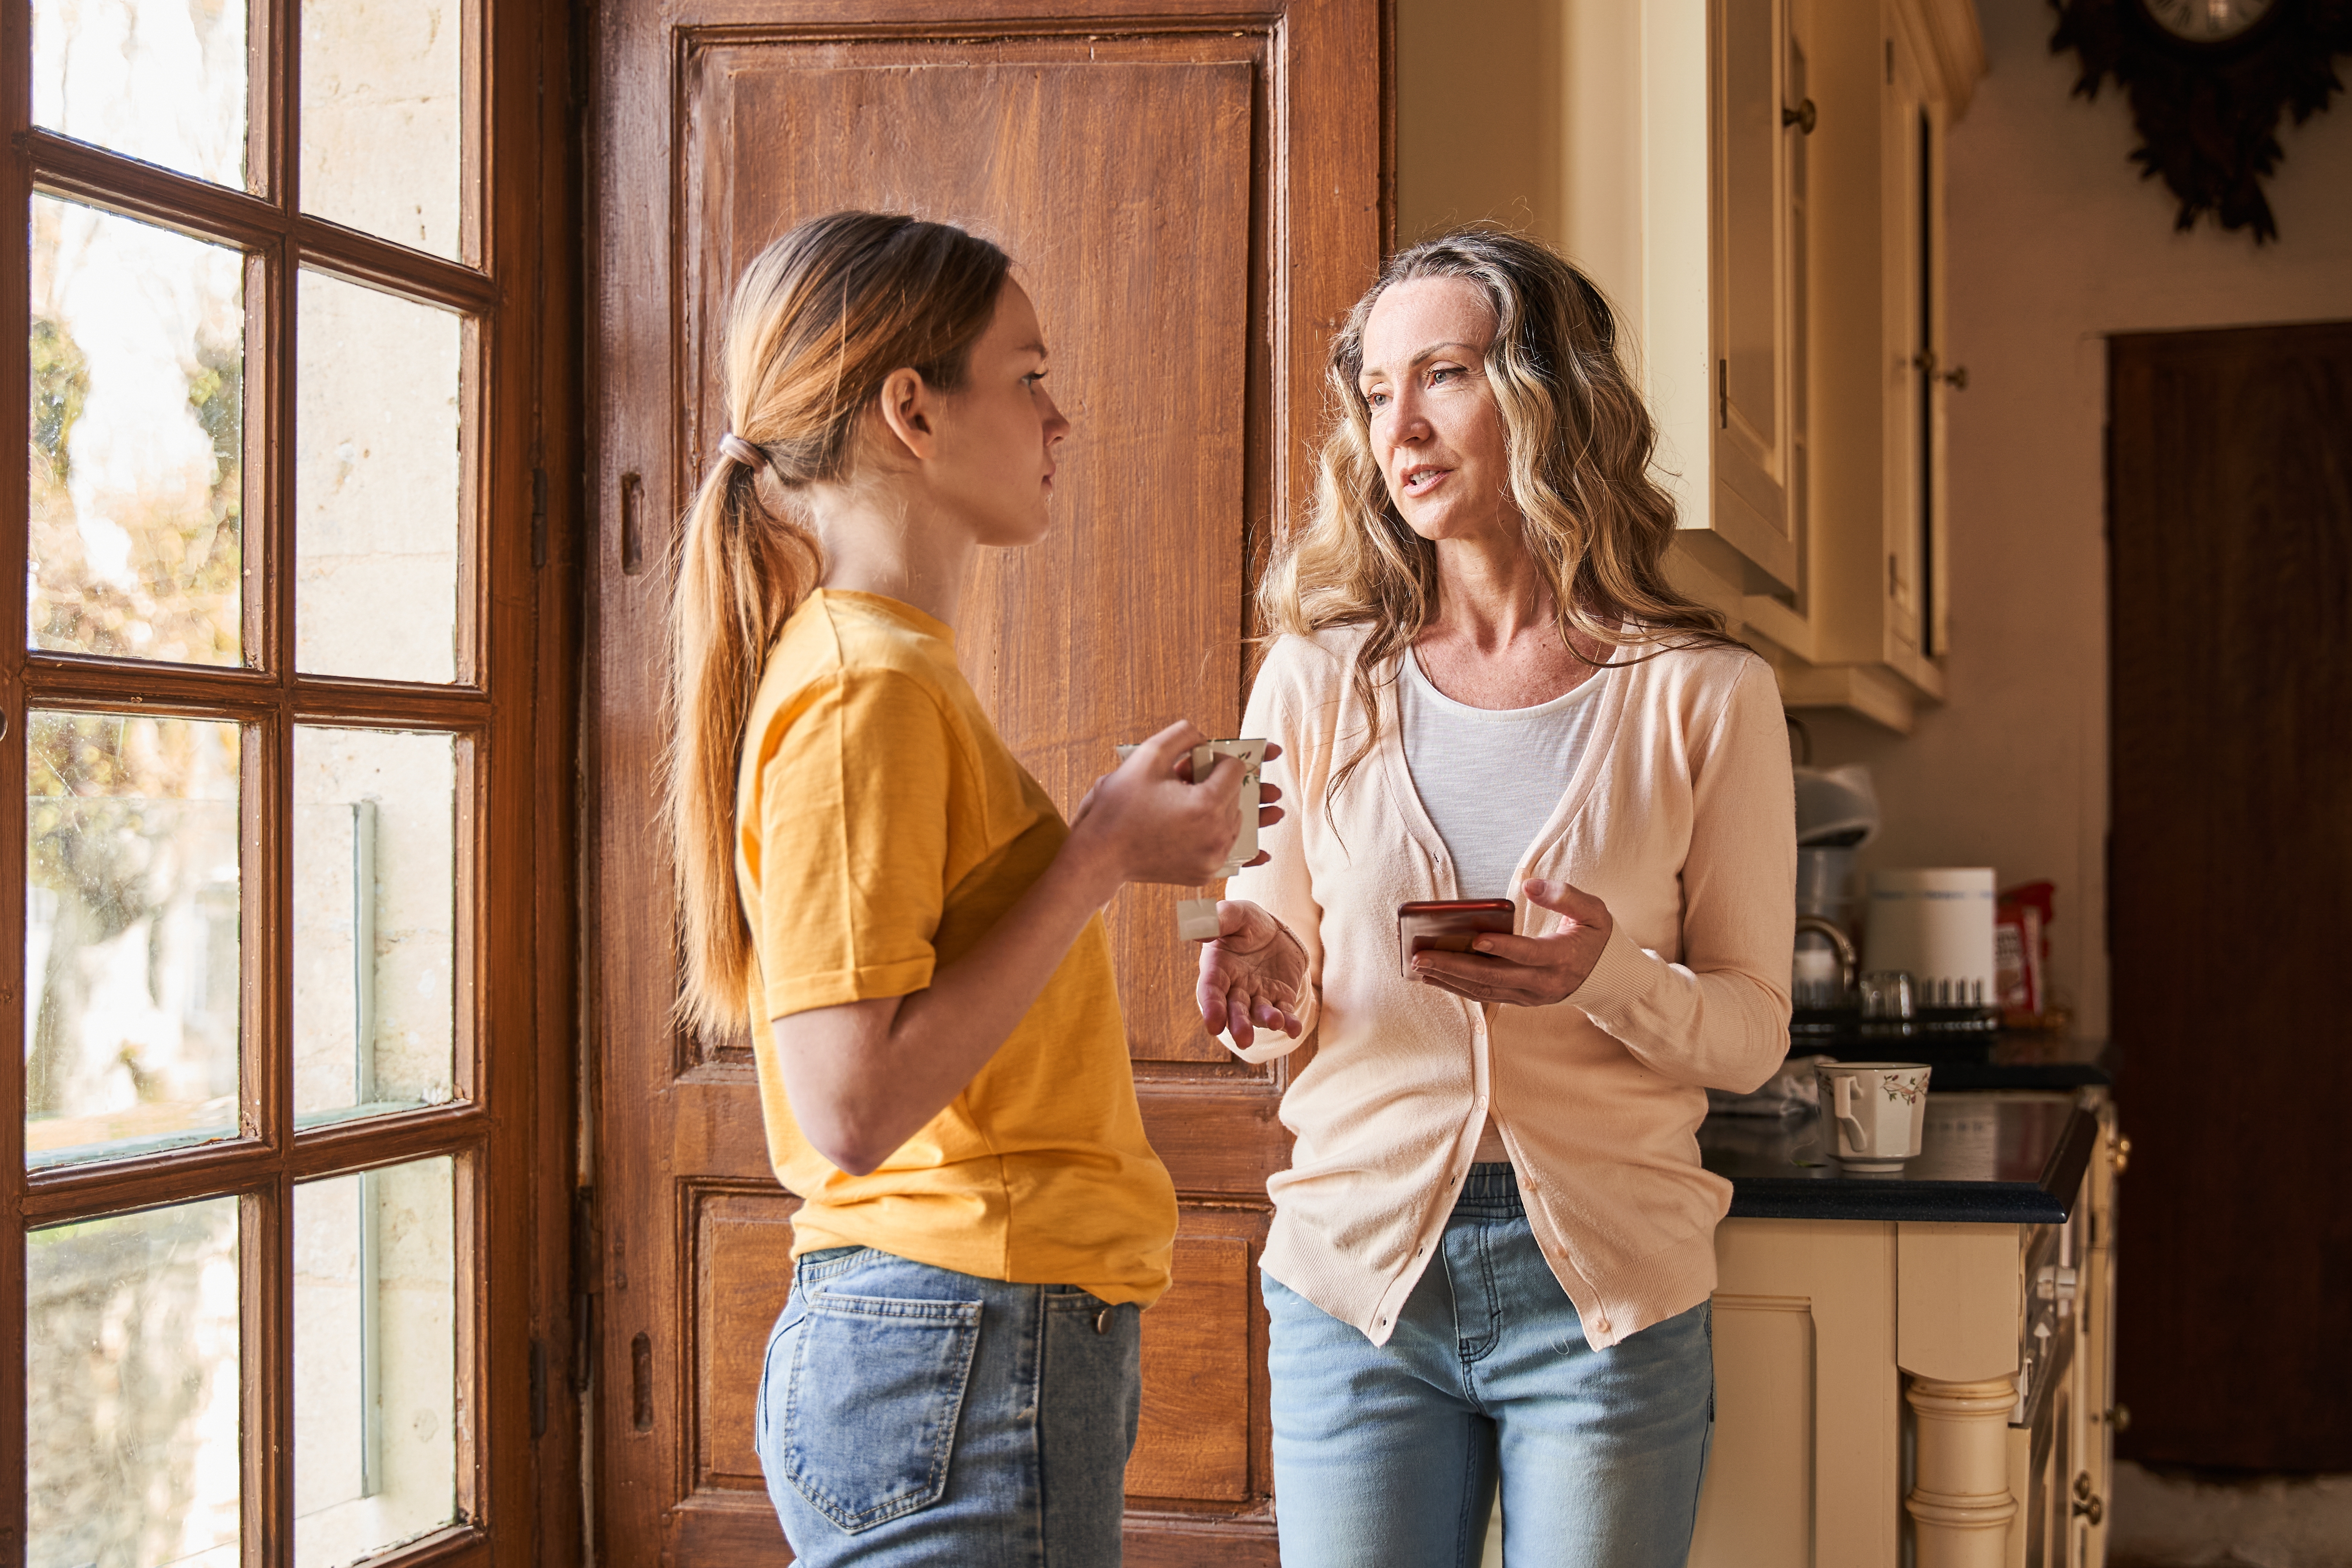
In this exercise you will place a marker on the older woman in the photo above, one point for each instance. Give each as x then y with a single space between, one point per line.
1492 1254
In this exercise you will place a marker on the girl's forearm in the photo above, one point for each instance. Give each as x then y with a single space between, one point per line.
865 1076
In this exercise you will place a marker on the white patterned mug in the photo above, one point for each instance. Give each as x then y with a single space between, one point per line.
1879 1109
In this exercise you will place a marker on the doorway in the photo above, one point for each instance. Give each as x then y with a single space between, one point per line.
1192 200
2229 516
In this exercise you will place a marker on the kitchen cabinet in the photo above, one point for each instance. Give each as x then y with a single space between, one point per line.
1771 229
1755 332
1923 1361
1674 194
1866 626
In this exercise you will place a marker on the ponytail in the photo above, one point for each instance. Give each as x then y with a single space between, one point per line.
822 318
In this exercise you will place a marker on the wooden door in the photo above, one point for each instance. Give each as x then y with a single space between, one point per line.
1193 194
2230 514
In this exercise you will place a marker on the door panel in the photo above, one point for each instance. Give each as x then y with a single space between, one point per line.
1194 1438
741 1241
999 139
1192 204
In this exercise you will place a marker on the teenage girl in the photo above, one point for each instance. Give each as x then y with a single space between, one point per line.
914 930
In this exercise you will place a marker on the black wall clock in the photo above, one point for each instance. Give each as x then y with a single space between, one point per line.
2206 80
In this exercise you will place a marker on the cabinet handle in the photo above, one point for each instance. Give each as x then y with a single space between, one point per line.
1803 117
2088 1503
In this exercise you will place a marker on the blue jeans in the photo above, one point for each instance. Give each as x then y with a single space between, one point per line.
1387 1455
915 1417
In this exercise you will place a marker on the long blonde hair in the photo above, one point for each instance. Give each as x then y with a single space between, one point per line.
1580 441
821 318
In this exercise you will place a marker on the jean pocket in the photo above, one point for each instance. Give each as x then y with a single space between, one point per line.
870 1413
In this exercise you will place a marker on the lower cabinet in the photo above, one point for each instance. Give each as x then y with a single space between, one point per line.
1884 1383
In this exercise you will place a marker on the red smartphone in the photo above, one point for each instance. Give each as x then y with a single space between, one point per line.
1449 925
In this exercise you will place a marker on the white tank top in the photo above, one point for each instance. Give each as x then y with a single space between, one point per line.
1489 777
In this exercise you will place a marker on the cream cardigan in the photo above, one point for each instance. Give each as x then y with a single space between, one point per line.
1681 817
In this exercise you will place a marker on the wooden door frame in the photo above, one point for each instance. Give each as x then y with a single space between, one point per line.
549 337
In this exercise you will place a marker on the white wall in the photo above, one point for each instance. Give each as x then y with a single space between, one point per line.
2055 243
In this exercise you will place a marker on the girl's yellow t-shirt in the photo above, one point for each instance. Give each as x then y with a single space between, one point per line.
884 828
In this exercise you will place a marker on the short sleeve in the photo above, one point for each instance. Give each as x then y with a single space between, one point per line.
852 841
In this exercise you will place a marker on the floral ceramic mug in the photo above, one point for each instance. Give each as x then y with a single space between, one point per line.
1879 1109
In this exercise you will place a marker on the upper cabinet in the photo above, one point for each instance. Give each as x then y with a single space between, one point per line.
1759 186
1753 273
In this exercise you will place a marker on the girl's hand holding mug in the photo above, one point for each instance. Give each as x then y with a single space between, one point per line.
1528 971
1155 823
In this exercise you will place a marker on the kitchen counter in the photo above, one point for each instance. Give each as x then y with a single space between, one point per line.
2001 1157
1920 1357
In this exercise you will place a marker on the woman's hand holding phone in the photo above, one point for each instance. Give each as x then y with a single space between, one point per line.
1526 971
1253 975
1154 822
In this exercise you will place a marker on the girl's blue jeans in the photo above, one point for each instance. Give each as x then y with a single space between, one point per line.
914 1417
1389 1456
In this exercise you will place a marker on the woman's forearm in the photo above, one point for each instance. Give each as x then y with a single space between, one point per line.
865 1077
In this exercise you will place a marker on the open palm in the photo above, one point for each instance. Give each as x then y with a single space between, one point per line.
1253 975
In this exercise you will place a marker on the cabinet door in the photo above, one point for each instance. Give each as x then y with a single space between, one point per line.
1751 325
1786 612
1909 241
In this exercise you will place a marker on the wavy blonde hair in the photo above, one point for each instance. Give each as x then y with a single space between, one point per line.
821 318
1579 442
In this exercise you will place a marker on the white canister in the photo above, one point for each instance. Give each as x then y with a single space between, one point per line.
1936 924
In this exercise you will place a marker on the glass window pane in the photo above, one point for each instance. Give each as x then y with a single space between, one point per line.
138 440
376 484
381 118
130 934
374 920
158 79
130 1361
375 1361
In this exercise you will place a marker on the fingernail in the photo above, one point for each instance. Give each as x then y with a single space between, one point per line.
1483 946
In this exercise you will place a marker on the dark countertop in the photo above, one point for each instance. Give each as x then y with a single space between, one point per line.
2005 1143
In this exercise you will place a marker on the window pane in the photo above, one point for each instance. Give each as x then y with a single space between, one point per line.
380 117
138 440
159 79
130 934
130 1361
375 1361
374 920
376 484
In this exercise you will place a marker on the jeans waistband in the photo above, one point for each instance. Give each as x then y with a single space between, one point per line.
1491 1191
